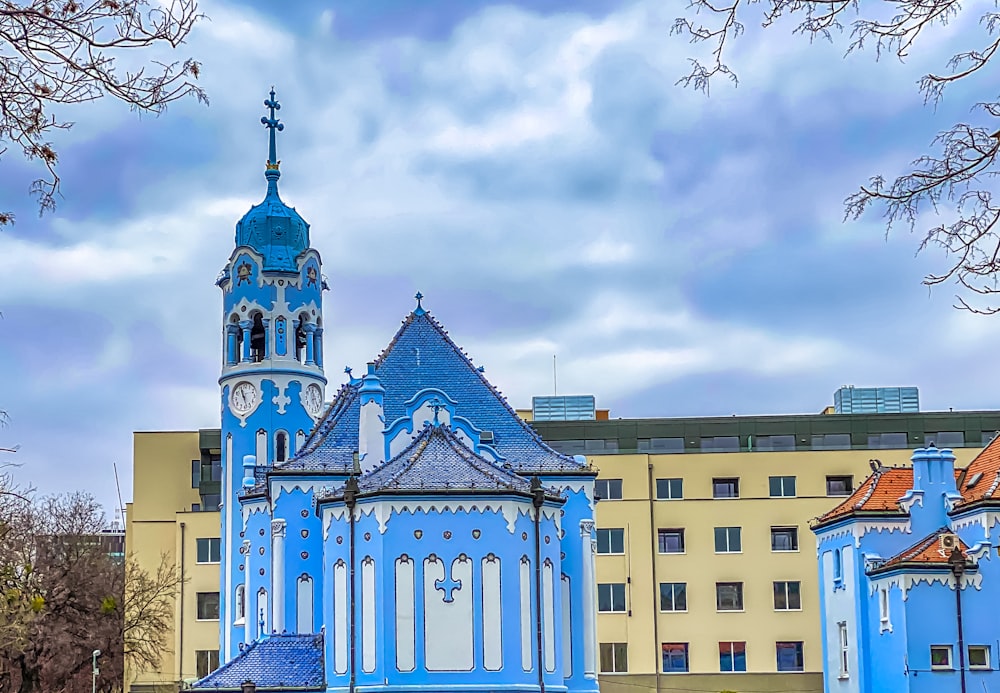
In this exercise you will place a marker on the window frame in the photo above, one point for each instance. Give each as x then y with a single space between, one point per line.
728 540
884 615
845 651
799 648
669 480
782 484
732 656
721 480
794 534
682 647
611 544
663 531
218 549
739 597
950 666
199 604
787 591
610 588
208 655
614 650
673 597
985 649
840 477
607 486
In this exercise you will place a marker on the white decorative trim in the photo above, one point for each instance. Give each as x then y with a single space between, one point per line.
331 513
383 510
987 519
277 486
906 581
980 550
251 508
575 486
911 497
859 529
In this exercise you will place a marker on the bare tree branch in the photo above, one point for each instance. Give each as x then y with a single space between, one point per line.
64 52
957 181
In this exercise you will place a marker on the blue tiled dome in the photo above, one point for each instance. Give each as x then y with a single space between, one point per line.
274 229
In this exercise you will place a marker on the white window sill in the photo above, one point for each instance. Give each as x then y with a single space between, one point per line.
783 610
671 553
784 550
674 611
723 553
207 562
609 553
207 620
240 622
730 611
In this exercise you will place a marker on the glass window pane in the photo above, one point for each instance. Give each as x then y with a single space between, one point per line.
617 541
621 657
607 657
794 601
789 656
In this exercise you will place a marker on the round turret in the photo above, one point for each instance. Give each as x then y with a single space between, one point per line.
274 229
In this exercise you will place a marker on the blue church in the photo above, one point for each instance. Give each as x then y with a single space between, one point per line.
909 583
413 534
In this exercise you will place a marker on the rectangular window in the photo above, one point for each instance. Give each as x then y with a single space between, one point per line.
673 596
208 606
729 596
844 650
787 596
661 446
789 656
720 444
945 439
839 485
208 549
883 606
725 488
669 489
887 441
784 538
670 540
774 443
610 541
782 486
727 540
614 657
599 446
206 662
611 597
979 656
732 656
675 657
195 473
941 657
608 489
831 441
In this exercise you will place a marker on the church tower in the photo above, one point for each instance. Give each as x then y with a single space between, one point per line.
272 382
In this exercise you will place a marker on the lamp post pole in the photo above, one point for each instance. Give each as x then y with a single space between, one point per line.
957 561
95 672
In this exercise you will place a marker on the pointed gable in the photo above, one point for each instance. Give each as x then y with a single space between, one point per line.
981 481
929 552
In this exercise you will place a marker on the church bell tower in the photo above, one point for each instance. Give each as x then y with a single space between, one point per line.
272 382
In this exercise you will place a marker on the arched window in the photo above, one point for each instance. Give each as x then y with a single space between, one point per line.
280 446
304 605
241 605
301 337
280 326
261 448
257 338
300 439
838 565
238 342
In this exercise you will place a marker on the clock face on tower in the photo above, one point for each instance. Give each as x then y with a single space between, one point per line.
314 399
243 397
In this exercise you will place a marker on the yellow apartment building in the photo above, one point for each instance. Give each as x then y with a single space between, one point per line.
706 567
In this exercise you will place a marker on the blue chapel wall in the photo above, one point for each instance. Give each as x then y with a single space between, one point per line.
930 620
886 650
258 532
399 539
303 554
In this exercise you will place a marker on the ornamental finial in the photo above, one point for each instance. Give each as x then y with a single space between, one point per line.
420 309
272 124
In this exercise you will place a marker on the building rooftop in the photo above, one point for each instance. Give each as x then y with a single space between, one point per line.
929 552
280 662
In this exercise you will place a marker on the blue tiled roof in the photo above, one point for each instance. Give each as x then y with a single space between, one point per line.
421 355
279 663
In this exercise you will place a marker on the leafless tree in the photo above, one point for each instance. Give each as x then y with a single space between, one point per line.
957 179
56 52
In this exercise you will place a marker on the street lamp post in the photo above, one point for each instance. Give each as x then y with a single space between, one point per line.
96 671
957 561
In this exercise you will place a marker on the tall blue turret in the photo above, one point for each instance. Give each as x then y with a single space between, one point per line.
272 382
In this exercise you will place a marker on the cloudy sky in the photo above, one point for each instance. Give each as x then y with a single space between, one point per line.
532 168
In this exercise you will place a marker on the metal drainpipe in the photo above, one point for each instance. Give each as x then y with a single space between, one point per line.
961 639
180 629
656 586
538 497
350 502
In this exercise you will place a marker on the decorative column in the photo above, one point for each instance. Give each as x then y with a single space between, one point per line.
248 616
267 337
318 346
589 601
231 356
278 575
310 344
245 325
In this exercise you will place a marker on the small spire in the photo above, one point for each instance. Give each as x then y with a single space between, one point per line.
271 171
419 309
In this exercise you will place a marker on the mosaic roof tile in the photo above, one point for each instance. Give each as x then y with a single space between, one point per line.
281 662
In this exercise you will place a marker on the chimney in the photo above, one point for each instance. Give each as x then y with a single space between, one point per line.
371 436
249 687
934 492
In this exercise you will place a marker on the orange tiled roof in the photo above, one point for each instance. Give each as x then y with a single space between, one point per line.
927 551
880 492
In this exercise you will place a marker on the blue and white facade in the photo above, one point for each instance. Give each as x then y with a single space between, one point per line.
909 580
415 533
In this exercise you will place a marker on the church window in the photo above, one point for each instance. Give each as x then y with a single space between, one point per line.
838 566
883 609
257 338
300 439
241 604
280 446
844 649
304 603
301 337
